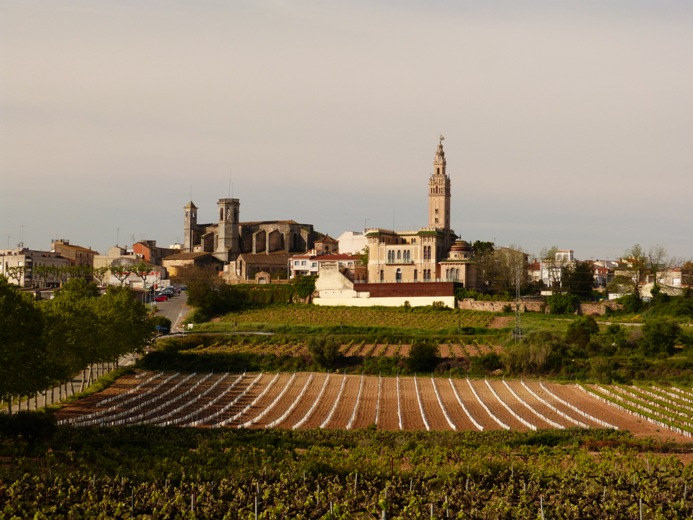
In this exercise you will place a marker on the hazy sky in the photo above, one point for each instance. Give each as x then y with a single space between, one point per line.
566 123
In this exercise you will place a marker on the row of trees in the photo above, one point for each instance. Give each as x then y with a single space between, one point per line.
44 343
43 274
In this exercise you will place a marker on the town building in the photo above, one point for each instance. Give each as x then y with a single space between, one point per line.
173 263
245 247
32 268
432 253
307 265
326 245
150 252
352 242
77 255
552 268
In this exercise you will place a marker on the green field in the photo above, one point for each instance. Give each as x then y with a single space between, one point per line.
299 316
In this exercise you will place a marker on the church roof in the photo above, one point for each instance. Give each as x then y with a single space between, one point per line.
259 222
327 239
190 205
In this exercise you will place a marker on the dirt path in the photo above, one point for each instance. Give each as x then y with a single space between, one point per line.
501 322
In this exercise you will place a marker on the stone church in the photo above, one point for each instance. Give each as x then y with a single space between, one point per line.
247 248
432 253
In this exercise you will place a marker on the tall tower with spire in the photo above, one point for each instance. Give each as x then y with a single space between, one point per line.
439 192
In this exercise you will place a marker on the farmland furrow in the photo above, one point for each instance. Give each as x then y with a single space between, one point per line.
310 403
411 414
545 416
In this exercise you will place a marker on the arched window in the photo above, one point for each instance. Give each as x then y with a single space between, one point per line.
416 275
382 275
221 213
399 255
398 275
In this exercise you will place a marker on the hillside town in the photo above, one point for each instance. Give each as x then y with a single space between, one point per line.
375 266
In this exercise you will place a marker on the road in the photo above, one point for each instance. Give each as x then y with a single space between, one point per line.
175 310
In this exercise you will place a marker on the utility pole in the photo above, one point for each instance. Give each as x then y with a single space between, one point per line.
517 333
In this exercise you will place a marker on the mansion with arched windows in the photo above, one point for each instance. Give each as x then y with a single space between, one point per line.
432 253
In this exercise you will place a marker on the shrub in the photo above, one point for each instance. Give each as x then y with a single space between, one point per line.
304 286
423 356
580 330
660 335
324 350
32 427
161 323
486 363
631 303
563 303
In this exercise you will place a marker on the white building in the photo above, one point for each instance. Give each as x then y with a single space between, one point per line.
31 268
352 242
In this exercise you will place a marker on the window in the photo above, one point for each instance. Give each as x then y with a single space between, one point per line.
314 264
399 255
398 275
382 275
303 262
416 275
296 262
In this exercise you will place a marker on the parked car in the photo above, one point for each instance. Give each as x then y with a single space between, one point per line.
168 291
161 298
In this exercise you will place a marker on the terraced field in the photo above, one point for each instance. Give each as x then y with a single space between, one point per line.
352 349
336 401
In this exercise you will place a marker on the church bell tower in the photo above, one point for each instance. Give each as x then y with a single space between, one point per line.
439 192
227 240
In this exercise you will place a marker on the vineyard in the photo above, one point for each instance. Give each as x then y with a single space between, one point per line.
215 473
263 346
345 402
388 317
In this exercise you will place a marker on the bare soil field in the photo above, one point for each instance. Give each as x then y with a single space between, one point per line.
259 400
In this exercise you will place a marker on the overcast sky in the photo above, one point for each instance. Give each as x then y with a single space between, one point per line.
566 123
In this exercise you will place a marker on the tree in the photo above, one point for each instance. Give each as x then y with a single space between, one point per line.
324 351
562 303
15 272
99 273
22 349
124 324
581 330
636 268
73 331
660 335
423 356
656 261
120 272
482 254
304 286
578 279
554 268
142 270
